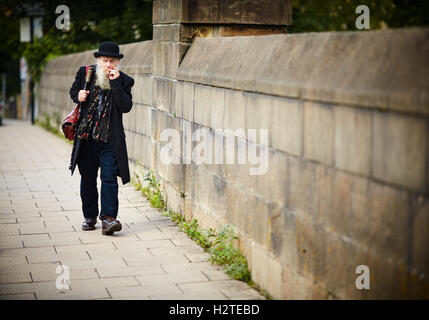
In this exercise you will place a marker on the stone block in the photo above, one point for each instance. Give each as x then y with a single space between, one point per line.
207 31
130 147
286 126
170 136
388 221
388 279
259 116
137 89
165 12
164 94
399 150
235 110
301 186
311 248
143 120
264 71
208 149
353 131
296 286
220 12
268 278
188 101
217 198
137 152
202 104
130 118
147 90
318 132
155 131
178 100
272 181
249 213
173 197
196 186
209 106
420 236
148 153
170 32
342 256
167 57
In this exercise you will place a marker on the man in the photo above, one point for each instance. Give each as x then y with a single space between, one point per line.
100 138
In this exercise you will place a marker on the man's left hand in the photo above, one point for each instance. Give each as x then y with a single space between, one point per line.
113 73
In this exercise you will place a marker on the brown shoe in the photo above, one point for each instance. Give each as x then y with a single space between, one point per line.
89 224
110 225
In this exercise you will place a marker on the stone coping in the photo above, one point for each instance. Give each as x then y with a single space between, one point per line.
378 69
137 59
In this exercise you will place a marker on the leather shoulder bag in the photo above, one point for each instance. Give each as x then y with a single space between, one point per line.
70 122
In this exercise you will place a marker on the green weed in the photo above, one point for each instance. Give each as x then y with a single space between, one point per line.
46 124
220 245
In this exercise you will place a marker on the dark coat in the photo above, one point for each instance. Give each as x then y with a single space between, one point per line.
121 103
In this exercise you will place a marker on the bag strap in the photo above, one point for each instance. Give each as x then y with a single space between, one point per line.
86 72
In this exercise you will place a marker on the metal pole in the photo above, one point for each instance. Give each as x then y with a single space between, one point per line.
31 78
3 91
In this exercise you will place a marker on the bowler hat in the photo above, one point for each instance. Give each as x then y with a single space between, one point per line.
108 49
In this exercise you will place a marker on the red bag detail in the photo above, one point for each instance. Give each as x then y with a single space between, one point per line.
69 123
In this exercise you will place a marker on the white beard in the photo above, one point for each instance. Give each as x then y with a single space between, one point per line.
101 79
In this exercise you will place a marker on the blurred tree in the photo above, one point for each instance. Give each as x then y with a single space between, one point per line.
339 15
92 22
9 38
131 20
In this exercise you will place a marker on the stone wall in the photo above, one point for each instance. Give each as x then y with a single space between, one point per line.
347 181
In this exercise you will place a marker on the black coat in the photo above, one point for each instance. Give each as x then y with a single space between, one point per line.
121 103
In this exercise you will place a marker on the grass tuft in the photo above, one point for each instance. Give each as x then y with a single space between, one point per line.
218 245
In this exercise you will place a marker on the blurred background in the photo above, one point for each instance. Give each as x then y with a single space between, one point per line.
30 37
344 99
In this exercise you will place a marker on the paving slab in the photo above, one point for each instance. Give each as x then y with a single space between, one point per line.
41 241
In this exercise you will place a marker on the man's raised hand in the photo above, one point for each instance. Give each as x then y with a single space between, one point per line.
82 95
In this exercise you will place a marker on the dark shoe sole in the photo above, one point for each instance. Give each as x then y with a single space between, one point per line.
88 228
114 228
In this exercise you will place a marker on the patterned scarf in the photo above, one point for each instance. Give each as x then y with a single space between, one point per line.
97 118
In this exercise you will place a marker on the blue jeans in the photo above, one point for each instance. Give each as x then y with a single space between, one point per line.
93 155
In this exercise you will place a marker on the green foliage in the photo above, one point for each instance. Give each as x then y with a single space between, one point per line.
46 124
131 20
223 252
220 245
92 22
192 229
42 50
339 15
152 191
9 59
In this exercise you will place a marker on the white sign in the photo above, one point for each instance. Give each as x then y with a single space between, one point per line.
24 24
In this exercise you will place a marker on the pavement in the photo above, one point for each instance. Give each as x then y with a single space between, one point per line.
44 254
